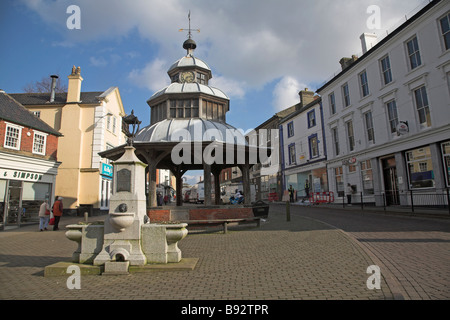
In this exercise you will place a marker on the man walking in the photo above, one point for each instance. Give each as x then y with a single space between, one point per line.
291 193
44 215
349 194
307 188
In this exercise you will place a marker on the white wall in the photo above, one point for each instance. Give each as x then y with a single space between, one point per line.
434 73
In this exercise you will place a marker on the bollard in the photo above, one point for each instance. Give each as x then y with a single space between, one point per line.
86 215
288 211
362 202
448 200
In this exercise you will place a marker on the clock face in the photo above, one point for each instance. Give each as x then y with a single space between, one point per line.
187 76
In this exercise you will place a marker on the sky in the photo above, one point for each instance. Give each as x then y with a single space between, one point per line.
261 52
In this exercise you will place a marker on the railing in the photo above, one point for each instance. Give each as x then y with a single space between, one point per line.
409 200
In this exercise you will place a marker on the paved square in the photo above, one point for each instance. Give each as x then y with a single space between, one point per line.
300 259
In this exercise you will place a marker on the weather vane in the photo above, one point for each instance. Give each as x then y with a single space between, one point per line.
189 30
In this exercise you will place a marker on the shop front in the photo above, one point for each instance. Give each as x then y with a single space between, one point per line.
22 193
418 175
313 176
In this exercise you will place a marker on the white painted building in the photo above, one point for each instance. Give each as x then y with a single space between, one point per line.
387 114
303 149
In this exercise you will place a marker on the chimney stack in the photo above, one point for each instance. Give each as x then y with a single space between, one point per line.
74 88
53 88
347 62
306 97
368 41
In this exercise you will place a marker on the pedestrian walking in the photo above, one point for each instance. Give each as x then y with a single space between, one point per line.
57 212
159 199
166 199
307 187
349 194
44 215
291 193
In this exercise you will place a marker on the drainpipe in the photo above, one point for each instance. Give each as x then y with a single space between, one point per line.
282 159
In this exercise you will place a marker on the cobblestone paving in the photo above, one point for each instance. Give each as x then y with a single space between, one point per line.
300 259
414 250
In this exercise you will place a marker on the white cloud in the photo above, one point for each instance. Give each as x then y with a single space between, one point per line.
285 93
153 76
232 88
251 42
193 179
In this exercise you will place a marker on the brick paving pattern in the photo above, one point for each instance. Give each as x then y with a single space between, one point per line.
300 259
414 251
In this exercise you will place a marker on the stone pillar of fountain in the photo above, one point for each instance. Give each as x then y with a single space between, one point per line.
127 213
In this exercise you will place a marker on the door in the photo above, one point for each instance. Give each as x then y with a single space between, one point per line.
390 181
14 202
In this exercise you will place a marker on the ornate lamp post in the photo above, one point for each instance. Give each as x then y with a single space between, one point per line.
133 121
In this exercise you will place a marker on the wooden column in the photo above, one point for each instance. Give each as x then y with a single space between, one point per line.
207 183
245 168
216 174
152 201
179 185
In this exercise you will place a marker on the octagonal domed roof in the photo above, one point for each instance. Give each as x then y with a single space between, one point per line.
189 61
194 87
190 130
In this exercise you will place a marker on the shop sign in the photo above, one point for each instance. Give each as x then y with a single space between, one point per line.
20 175
402 128
107 170
349 161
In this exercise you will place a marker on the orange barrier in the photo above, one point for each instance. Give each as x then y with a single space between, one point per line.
321 197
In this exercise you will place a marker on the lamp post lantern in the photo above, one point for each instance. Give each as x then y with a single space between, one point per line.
133 121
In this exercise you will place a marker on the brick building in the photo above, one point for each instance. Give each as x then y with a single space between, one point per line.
28 162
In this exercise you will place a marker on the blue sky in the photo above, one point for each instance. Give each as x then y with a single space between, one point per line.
261 52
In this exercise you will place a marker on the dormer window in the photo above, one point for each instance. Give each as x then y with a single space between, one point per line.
175 78
201 78
185 108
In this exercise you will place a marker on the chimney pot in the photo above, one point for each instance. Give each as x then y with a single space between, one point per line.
53 88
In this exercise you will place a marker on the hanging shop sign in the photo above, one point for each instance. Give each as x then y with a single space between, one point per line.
107 170
402 128
349 161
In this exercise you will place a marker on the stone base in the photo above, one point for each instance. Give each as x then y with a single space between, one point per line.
59 269
185 264
121 250
116 268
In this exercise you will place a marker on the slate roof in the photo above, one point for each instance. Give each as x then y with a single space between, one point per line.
317 100
11 110
60 98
